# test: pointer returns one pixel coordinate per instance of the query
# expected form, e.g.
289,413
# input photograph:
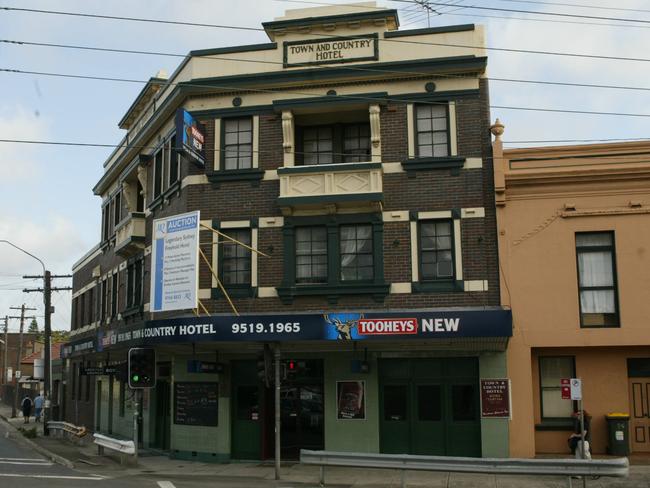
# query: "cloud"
18,162
54,240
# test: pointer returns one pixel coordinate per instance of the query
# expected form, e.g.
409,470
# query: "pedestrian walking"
38,407
26,406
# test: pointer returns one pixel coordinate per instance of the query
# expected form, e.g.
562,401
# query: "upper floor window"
311,255
166,167
337,143
237,143
432,131
436,250
356,253
236,259
158,172
597,279
134,284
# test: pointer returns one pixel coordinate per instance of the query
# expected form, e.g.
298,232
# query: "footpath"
84,457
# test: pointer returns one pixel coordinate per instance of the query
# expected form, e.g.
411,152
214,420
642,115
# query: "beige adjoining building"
574,229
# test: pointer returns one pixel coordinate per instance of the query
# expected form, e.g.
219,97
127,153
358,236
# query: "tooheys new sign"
318,327
190,137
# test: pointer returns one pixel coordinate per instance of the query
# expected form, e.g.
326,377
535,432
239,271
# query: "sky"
46,202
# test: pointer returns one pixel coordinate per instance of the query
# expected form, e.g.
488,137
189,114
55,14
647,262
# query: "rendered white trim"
235,224
194,180
389,168
442,214
473,163
217,144
469,213
267,292
395,216
205,293
410,130
255,163
453,150
254,256
415,270
400,287
476,285
83,290
459,250
267,222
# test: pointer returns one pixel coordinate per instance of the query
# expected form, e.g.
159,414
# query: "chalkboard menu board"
196,403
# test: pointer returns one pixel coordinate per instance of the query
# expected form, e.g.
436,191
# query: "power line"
405,41
355,68
595,7
449,12
577,140
348,97
553,14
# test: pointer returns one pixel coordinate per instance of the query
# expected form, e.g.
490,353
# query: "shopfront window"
395,402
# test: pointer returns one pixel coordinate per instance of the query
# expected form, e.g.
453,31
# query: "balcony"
129,235
339,185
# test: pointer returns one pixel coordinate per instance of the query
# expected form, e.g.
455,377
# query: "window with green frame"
333,255
551,371
235,259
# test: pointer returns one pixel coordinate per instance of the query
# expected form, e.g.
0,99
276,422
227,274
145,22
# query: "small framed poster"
351,400
495,398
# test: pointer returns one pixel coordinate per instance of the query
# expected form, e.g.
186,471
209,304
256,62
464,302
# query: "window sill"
555,425
254,175
333,292
411,166
131,311
437,286
235,292
165,196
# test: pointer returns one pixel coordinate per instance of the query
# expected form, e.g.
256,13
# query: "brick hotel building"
357,158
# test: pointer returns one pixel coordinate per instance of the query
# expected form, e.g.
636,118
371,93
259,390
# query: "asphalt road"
22,467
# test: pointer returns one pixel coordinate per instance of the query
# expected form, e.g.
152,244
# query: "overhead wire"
585,6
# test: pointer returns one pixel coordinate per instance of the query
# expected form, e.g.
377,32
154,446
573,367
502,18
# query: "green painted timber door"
430,407
246,431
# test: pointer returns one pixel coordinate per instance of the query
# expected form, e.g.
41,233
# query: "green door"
246,431
429,407
163,415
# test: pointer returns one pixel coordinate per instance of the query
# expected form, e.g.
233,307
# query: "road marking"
166,484
24,459
27,463
49,476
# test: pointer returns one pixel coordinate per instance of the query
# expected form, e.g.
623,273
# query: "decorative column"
375,133
497,130
288,135
142,178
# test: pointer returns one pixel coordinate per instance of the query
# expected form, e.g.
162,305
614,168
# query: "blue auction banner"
343,326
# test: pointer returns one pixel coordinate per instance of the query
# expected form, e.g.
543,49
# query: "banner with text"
174,263
341,326
190,137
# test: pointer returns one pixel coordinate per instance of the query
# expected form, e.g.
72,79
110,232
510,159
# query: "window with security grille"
432,132
235,258
436,250
237,143
311,255
356,252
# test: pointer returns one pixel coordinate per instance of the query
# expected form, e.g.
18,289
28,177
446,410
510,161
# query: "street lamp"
47,387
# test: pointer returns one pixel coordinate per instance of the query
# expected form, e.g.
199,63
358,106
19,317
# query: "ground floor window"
551,371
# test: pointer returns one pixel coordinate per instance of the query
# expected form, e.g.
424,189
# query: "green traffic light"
135,378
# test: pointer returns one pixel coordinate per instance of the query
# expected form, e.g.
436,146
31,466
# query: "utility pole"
19,356
6,352
47,301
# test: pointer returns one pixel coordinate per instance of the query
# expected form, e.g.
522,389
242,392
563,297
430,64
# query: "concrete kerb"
40,449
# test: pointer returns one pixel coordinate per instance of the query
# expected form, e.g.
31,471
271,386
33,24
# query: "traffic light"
142,367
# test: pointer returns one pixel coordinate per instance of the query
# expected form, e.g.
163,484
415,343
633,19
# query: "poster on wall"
190,137
495,398
351,400
174,262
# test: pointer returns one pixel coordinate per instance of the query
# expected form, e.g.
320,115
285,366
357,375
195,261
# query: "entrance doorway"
430,407
640,414
163,415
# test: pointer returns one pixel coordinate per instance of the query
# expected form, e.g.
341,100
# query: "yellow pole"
223,290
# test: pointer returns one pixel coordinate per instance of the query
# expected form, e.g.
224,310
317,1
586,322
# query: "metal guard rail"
67,427
125,447
617,467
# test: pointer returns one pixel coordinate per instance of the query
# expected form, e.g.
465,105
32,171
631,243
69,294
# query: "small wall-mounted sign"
495,398
331,50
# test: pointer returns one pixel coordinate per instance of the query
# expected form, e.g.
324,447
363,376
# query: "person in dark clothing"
574,439
26,407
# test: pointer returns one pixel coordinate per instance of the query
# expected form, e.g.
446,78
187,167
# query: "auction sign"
495,398
190,137
175,267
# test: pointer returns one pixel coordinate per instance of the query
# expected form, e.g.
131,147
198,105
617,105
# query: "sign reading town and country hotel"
338,326
174,258
331,50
